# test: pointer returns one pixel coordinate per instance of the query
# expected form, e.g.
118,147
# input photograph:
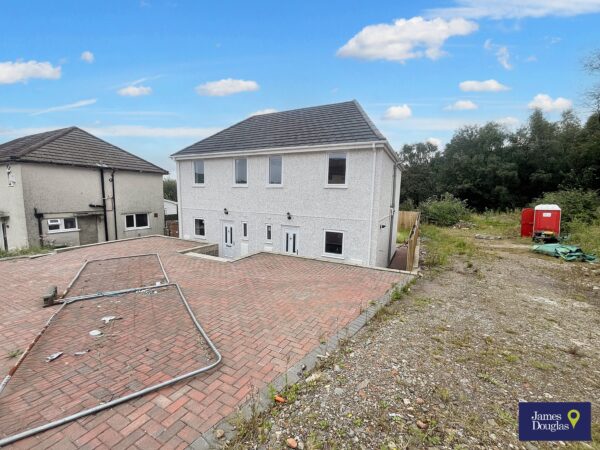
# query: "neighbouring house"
319,182
68,187
170,208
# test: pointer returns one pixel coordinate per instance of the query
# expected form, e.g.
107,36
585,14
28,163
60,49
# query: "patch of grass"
505,224
443,243
540,365
25,251
444,394
586,236
511,358
505,418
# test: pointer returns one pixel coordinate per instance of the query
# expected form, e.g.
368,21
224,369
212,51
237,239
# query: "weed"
443,394
509,357
14,353
487,378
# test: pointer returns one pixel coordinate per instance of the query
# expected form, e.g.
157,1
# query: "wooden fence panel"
410,219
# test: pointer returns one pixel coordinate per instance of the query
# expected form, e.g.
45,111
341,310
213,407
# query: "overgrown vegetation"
442,243
445,210
577,205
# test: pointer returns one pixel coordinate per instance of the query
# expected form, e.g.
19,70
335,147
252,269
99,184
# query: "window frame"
203,172
245,230
341,255
336,185
135,227
202,236
61,225
269,231
269,184
235,183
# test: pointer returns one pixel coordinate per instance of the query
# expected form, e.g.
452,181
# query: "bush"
577,205
444,211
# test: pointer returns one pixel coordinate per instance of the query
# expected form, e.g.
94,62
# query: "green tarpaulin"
566,252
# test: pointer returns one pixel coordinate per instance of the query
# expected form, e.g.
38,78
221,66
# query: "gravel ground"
445,365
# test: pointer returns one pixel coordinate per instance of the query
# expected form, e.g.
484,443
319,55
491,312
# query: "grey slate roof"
318,125
74,147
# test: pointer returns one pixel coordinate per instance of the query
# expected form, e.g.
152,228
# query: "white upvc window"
275,170
269,232
62,225
199,228
337,169
240,172
199,172
333,244
136,221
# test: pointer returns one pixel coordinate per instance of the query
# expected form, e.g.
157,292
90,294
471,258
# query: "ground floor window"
139,220
66,224
334,243
199,229
269,233
245,229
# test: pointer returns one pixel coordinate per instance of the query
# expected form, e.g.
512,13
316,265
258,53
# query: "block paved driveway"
264,313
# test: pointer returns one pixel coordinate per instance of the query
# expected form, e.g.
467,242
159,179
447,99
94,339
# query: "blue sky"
154,76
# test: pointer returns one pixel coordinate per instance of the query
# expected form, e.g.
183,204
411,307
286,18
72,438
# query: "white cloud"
121,131
87,56
226,86
435,141
503,56
547,104
482,86
154,132
517,9
405,39
263,111
21,71
79,104
509,122
135,91
461,105
502,53
531,58
400,112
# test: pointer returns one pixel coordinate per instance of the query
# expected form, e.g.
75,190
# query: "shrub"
577,205
445,211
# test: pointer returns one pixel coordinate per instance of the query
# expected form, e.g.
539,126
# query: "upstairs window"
334,243
275,166
241,171
336,169
199,229
139,220
199,171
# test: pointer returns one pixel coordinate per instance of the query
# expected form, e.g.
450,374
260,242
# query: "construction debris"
95,333
53,356
108,319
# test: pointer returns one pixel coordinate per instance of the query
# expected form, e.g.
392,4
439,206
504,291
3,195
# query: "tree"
592,66
170,189
418,181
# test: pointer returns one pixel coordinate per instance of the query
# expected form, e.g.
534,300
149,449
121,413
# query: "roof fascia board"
282,150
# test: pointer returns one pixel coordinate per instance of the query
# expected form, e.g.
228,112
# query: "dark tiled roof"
319,125
75,147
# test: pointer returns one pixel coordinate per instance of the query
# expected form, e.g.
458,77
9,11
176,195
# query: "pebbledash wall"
60,191
360,209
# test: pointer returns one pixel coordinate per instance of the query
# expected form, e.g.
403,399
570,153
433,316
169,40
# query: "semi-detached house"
68,187
319,182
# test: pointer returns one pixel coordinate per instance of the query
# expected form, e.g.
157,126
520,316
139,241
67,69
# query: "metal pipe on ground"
126,398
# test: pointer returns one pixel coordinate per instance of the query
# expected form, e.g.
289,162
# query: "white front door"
290,240
228,244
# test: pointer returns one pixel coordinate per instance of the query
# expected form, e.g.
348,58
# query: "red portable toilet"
527,222
546,218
